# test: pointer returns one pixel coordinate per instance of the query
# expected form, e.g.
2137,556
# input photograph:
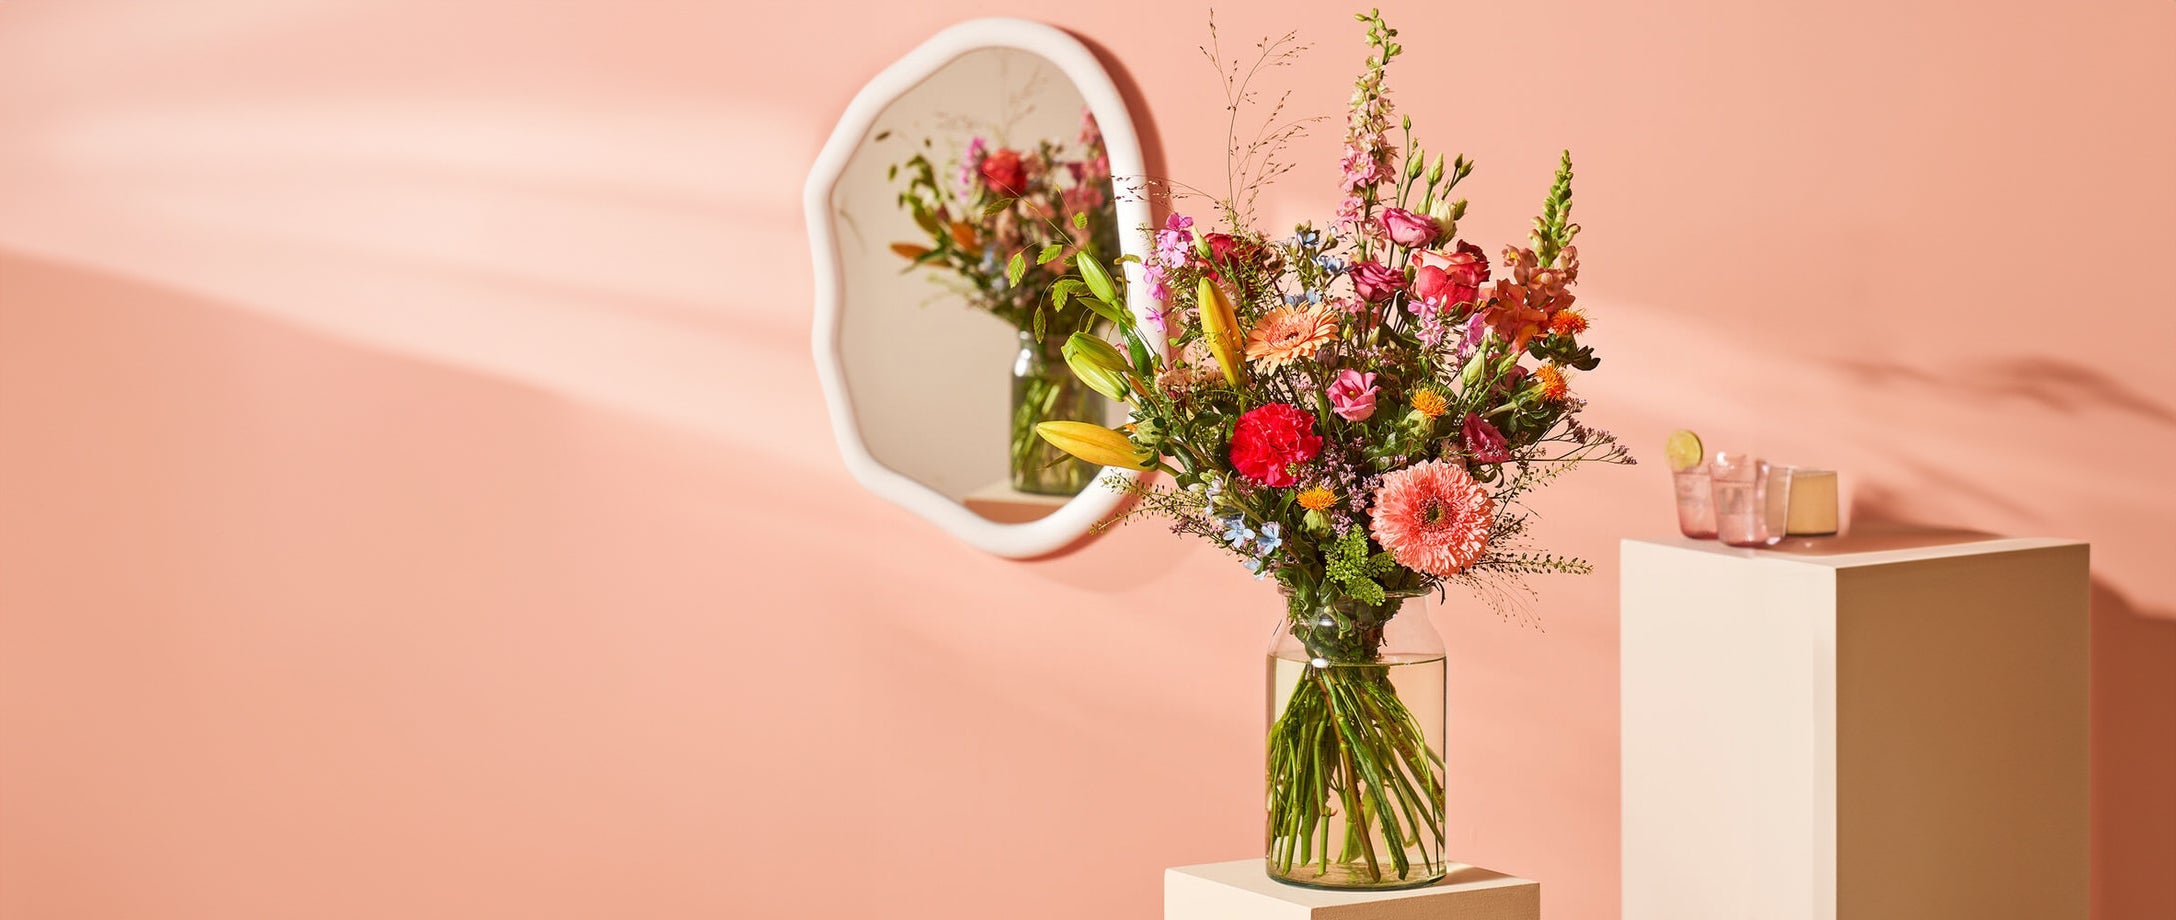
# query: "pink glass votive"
1695,503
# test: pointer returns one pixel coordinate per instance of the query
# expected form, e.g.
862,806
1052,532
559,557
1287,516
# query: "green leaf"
1015,268
1080,220
1049,252
1038,322
928,222
1136,348
1107,311
1098,280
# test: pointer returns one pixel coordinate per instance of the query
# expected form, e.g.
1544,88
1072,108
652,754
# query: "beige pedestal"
1864,729
1240,890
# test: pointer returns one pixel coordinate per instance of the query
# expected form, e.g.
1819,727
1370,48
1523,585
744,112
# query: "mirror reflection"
956,216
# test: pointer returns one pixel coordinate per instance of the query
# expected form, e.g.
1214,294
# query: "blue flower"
1259,568
1270,537
1236,531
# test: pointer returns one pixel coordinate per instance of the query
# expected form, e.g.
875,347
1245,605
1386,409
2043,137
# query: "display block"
1864,728
1240,890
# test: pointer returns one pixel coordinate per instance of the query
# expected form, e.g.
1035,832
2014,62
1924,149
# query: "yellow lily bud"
1220,326
1097,364
1095,444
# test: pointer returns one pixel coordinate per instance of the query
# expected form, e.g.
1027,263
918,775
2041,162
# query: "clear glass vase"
1355,766
1045,390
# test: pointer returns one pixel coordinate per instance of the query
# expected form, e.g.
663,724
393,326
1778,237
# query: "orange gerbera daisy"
1287,334
1433,517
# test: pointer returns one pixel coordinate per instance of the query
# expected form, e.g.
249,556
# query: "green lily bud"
1098,365
1414,166
1435,170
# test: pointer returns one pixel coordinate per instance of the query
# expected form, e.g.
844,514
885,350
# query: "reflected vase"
1045,390
1356,727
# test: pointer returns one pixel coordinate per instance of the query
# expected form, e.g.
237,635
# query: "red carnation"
1272,439
1004,173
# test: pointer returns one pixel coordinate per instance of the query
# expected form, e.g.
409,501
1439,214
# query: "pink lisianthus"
1482,441
1375,282
1408,229
1352,395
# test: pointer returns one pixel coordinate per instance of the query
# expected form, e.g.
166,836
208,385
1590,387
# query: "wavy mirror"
943,212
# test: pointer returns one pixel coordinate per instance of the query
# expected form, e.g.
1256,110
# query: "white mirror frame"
1072,520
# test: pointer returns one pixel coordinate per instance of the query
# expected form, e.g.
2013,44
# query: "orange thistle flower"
1430,404
1568,322
1554,387
1317,498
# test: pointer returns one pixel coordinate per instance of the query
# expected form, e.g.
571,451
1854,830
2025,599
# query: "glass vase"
1045,390
1355,766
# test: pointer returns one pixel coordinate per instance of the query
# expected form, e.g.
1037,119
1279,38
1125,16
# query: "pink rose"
1352,395
1483,442
1409,229
1431,285
1464,271
1375,283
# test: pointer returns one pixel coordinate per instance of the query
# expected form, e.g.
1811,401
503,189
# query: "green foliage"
1553,230
1347,565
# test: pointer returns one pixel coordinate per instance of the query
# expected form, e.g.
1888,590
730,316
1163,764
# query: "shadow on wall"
2133,726
2057,385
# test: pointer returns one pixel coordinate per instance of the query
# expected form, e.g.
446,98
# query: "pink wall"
417,500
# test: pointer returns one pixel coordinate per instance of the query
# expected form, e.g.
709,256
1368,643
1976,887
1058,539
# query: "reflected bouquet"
1355,410
1002,227
1002,224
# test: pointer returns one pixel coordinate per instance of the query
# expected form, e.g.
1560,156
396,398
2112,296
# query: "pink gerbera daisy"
1433,517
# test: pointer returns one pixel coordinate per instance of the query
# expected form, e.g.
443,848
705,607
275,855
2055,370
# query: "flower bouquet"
1000,229
1355,410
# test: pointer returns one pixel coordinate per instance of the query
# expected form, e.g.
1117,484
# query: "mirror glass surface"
992,155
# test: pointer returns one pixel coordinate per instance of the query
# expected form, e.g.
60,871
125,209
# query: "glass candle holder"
1752,499
1695,503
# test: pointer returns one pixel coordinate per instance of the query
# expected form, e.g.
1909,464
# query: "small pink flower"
1433,517
1407,228
1352,395
1374,282
1482,441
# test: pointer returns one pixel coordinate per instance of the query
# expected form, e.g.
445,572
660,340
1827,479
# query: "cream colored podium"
1240,890
1863,728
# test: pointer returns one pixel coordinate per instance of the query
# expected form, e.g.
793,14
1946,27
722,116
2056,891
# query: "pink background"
417,499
